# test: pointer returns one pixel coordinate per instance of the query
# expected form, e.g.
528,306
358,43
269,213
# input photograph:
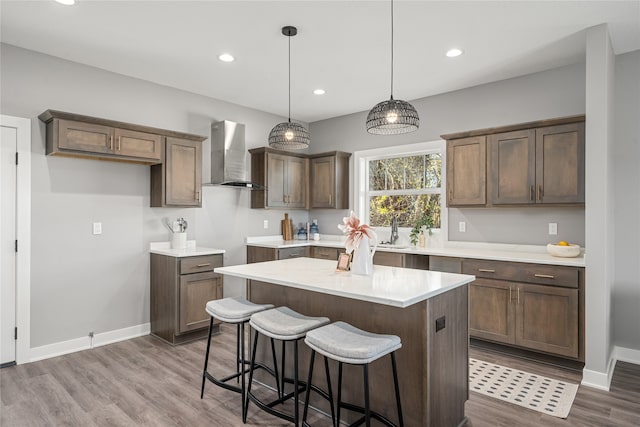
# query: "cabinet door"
295,252
87,137
560,164
276,180
195,291
389,259
138,144
512,163
547,319
467,171
296,182
259,254
323,182
491,313
183,172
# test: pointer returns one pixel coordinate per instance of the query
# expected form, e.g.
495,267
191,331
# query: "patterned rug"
531,391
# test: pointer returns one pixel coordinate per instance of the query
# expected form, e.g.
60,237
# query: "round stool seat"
234,310
345,343
282,323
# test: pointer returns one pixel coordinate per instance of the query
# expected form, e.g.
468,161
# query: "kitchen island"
428,310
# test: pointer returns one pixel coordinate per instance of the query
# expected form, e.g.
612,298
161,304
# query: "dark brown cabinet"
180,290
467,171
536,163
178,180
536,307
284,177
261,254
329,181
325,253
538,166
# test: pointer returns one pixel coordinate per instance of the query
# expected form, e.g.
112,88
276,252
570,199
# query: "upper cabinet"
329,181
284,176
176,157
178,180
299,181
467,171
537,163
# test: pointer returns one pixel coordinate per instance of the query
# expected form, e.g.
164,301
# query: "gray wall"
625,293
81,282
555,93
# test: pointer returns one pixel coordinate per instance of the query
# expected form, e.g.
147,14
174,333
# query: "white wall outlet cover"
553,229
266,224
97,228
462,227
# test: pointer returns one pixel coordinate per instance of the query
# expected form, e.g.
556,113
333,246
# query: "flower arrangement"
355,231
424,224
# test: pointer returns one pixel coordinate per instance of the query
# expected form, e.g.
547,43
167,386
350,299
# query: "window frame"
361,180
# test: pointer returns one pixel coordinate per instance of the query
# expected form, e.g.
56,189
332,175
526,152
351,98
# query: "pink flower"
354,232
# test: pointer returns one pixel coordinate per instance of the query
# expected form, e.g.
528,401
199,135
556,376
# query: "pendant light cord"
391,49
289,37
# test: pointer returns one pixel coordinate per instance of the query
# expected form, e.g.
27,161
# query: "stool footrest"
351,407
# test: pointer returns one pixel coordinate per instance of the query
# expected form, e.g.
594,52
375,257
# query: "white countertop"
164,248
399,287
489,251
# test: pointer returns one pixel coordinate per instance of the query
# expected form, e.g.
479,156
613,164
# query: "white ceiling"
341,46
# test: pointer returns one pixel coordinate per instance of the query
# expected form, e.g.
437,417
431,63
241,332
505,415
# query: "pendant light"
289,135
394,116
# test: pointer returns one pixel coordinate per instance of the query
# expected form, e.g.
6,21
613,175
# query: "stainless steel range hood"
228,156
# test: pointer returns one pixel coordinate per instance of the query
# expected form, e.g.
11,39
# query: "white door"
8,150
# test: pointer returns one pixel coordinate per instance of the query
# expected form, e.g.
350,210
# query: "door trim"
23,234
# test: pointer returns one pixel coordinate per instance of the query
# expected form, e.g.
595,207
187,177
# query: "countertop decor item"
393,116
289,135
564,251
424,224
358,236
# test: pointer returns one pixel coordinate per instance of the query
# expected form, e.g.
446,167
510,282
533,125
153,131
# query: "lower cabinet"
261,254
180,290
535,307
325,253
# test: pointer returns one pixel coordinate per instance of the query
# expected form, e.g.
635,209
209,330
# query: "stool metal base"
327,395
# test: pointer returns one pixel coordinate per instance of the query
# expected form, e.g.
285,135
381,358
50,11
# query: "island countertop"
398,287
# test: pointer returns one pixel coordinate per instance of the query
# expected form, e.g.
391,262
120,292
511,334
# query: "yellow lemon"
563,243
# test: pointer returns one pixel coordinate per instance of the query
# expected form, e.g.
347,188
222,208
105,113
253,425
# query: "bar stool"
236,311
285,325
345,343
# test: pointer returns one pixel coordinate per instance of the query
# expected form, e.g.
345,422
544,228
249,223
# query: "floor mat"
542,394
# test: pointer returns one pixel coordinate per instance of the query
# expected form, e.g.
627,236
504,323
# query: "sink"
390,246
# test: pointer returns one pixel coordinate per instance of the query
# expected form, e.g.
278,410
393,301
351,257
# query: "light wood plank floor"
144,381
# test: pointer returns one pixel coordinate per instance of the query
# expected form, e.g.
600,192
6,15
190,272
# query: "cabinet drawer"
297,252
325,253
198,264
389,259
553,275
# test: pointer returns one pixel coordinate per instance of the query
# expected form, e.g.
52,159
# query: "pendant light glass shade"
394,116
289,135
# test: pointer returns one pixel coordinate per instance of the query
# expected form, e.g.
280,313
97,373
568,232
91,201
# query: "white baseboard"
626,355
84,343
602,380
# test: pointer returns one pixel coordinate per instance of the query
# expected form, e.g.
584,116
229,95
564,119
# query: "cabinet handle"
509,293
531,193
484,270
450,194
518,296
545,276
539,192
197,196
111,142
329,198
119,138
206,264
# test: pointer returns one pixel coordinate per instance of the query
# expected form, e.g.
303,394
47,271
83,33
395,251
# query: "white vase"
362,261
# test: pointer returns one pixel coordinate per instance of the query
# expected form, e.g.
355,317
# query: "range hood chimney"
228,156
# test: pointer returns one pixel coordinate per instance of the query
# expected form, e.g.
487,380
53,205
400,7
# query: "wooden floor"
144,381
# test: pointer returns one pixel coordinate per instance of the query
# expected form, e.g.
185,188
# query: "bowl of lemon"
563,249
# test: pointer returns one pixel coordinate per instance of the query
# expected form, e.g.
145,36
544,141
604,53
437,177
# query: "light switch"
553,229
97,228
462,227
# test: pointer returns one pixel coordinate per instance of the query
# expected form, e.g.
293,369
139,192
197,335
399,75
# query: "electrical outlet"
97,228
553,229
265,224
462,227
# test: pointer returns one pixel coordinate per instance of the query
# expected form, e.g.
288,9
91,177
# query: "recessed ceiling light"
319,92
452,53
66,2
225,57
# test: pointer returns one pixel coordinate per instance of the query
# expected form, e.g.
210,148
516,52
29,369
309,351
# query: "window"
402,181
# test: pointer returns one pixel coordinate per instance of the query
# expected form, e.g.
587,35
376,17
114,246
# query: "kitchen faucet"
394,230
